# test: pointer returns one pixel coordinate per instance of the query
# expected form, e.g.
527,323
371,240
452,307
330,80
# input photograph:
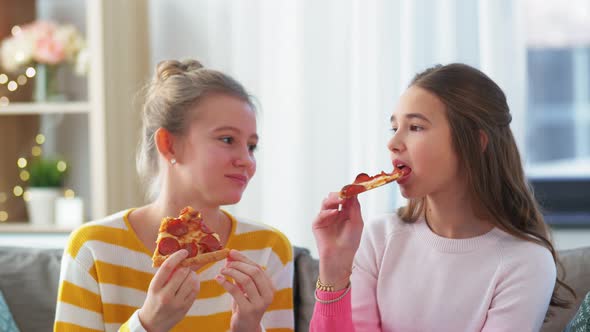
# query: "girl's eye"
416,128
252,147
393,130
227,139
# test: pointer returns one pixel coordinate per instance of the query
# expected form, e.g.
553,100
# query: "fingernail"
220,279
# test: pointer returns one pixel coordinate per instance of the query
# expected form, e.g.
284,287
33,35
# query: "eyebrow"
412,116
234,129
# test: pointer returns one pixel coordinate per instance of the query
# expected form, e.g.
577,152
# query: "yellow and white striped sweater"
106,271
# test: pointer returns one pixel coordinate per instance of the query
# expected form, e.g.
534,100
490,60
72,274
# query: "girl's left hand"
252,291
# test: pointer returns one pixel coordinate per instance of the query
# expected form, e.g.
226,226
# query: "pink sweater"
407,278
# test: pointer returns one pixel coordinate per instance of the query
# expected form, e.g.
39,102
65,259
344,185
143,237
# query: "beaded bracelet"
315,295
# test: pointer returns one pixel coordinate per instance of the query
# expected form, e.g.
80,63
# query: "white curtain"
327,75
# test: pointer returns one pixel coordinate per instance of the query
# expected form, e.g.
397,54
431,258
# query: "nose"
245,159
395,143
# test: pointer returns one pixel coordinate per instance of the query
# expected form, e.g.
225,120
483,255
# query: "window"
558,108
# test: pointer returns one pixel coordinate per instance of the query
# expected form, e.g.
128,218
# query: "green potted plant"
46,177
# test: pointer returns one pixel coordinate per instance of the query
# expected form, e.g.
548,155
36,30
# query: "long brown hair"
495,177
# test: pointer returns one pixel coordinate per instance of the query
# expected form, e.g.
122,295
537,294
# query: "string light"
15,30
36,151
3,197
30,72
62,166
69,193
26,196
12,86
24,175
21,162
22,80
40,139
17,191
3,216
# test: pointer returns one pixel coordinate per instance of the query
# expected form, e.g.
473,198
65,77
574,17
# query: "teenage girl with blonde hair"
197,149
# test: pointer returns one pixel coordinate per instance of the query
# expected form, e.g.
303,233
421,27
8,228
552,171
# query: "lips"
405,169
242,179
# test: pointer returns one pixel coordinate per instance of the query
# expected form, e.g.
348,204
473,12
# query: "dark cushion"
306,274
28,280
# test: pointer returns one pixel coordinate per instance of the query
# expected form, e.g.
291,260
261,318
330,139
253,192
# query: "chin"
231,199
408,194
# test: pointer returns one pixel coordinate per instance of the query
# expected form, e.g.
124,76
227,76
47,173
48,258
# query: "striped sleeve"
279,315
79,304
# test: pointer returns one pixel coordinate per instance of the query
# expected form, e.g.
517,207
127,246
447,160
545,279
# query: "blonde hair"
175,89
495,177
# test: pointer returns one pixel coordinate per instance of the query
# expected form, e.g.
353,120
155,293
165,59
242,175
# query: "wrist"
145,323
334,279
250,326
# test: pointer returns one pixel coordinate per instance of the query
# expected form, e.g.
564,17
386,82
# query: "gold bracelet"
327,287
315,295
323,287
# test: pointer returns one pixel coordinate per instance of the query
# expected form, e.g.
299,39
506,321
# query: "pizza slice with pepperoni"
364,182
189,232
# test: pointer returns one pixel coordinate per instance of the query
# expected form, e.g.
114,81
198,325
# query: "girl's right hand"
171,293
337,235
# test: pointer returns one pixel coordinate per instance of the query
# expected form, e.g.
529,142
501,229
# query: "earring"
173,161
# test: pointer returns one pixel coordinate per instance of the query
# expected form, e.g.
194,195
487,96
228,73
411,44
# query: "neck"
454,216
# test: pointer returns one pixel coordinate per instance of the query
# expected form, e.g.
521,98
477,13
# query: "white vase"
41,205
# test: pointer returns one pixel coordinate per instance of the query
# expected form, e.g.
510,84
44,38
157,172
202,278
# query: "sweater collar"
455,245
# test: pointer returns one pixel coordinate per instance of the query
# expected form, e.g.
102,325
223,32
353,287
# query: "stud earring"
173,161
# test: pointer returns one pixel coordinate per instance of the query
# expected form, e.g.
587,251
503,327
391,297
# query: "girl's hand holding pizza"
338,234
252,291
171,293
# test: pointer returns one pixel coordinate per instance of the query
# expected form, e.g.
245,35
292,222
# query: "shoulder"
105,229
114,221
526,256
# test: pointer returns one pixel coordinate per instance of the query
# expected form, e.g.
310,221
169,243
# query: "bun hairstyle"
174,90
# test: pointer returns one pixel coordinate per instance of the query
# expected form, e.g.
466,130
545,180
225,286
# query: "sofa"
29,279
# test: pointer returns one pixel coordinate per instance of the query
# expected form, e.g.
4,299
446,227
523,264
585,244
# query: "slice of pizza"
189,232
364,182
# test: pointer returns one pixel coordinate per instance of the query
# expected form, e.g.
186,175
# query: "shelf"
24,227
45,108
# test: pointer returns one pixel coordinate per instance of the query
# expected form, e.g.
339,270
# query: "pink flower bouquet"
43,42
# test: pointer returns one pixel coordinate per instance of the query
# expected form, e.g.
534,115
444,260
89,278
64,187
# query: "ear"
165,143
483,140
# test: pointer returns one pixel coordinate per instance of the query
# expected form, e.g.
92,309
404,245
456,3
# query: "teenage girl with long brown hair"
469,252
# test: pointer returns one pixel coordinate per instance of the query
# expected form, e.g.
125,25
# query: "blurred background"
326,75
